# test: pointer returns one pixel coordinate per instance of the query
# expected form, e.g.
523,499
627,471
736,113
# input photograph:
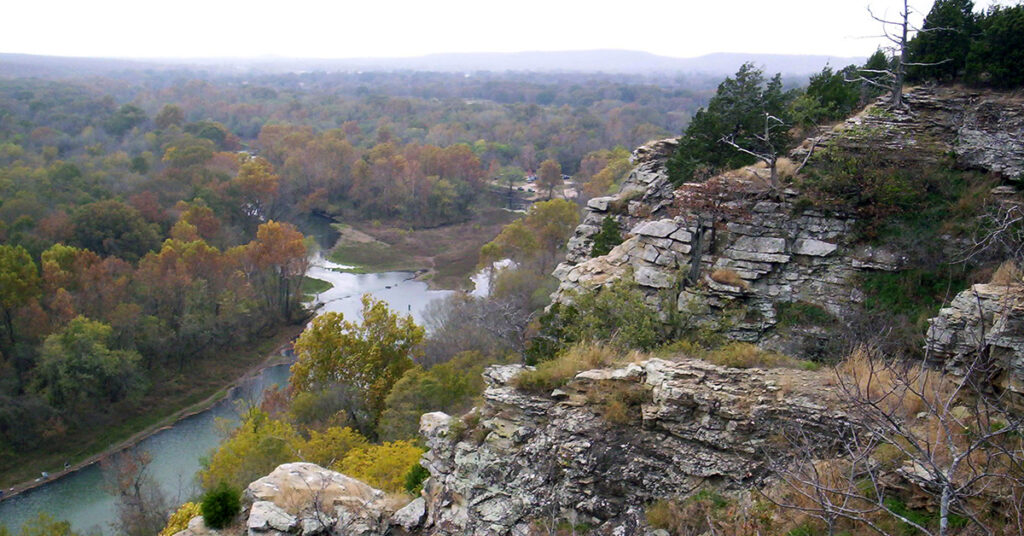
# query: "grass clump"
727,276
1008,274
220,505
552,374
746,355
735,355
312,286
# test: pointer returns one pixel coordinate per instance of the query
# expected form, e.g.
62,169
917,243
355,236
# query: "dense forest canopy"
142,215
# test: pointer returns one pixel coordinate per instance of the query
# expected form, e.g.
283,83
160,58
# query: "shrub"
220,505
619,402
414,479
803,314
179,519
607,238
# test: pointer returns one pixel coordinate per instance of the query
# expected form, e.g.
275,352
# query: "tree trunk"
901,60
696,253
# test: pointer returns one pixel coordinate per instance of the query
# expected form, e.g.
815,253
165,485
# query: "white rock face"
197,527
308,499
265,516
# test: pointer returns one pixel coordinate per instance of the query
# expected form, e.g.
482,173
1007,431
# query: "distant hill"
608,61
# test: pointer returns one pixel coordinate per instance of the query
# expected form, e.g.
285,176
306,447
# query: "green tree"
114,228
331,446
550,176
450,387
383,466
77,366
739,113
19,283
940,48
830,95
169,115
607,238
254,449
997,55
370,356
124,119
45,525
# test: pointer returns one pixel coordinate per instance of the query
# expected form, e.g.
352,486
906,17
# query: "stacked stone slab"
982,329
781,254
553,456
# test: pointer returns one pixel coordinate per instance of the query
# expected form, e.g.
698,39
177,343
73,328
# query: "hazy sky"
393,28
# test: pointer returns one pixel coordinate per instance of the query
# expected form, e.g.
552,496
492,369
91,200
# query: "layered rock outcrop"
768,248
982,332
600,449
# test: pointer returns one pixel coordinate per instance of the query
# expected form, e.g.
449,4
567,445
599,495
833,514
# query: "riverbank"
443,257
172,400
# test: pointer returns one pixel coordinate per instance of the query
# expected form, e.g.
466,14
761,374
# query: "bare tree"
898,33
1000,234
767,145
141,505
949,438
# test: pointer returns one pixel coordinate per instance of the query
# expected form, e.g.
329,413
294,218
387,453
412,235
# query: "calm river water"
176,451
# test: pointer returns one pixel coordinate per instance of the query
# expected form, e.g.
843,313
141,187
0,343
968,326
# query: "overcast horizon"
315,29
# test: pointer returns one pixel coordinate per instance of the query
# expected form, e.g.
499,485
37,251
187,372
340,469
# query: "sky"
403,28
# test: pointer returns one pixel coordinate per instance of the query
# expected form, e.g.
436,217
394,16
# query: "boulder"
306,498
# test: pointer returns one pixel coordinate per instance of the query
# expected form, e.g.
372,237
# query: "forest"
150,230
147,218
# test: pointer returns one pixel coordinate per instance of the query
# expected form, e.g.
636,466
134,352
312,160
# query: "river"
176,451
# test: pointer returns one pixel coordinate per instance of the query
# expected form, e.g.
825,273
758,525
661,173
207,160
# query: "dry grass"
557,372
735,355
1008,274
746,355
903,390
728,276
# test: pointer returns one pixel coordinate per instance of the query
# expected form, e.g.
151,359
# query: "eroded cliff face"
982,331
768,248
523,460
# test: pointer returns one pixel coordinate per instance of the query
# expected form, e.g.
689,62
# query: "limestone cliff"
982,329
524,459
600,449
768,248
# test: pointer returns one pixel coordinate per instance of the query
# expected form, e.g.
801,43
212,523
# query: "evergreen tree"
737,112
607,238
939,51
997,55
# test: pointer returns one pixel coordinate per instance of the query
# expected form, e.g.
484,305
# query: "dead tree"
765,147
951,438
141,505
897,33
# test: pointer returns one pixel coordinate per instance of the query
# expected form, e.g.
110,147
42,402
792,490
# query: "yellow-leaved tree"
369,357
383,466
254,449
